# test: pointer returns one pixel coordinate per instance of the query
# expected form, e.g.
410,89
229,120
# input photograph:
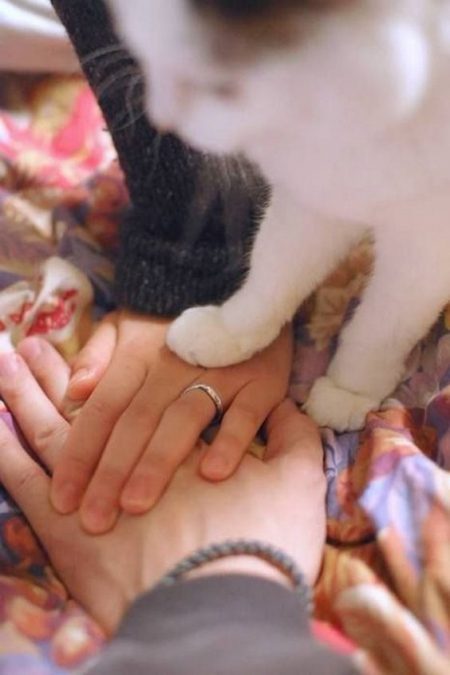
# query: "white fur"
352,127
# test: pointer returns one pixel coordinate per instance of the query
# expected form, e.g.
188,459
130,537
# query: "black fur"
186,238
243,9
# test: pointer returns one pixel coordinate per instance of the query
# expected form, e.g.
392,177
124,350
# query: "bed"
384,591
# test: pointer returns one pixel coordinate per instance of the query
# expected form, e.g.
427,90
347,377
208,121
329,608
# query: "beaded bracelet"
270,554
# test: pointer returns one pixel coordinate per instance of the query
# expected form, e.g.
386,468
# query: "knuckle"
28,479
247,413
77,467
71,409
111,477
140,414
101,410
12,391
47,435
159,464
186,405
190,408
232,443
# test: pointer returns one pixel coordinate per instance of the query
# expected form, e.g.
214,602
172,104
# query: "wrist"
240,564
242,556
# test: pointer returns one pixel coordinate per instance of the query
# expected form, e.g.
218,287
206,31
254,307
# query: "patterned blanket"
384,590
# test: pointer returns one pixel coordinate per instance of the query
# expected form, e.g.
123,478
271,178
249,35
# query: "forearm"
233,624
191,221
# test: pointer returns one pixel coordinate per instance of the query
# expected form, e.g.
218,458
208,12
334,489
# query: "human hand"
279,501
136,428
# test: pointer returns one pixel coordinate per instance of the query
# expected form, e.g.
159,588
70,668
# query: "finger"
293,435
176,436
174,439
47,366
25,481
42,425
128,441
93,360
239,427
91,430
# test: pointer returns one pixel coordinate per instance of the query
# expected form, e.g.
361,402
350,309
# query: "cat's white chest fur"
366,112
352,127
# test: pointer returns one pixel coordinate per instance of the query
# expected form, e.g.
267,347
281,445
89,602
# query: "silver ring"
214,397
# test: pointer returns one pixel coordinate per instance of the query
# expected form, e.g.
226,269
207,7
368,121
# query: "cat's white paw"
200,337
340,409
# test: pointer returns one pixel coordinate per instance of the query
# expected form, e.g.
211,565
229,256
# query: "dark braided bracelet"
234,547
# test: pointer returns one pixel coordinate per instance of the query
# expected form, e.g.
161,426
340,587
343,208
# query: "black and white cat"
345,106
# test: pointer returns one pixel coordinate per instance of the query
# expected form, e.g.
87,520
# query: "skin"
136,428
288,487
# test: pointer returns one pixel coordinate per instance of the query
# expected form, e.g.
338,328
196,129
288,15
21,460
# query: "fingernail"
98,515
9,365
138,496
215,466
78,379
79,376
65,498
31,348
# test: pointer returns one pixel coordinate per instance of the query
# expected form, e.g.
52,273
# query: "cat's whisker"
130,97
113,79
134,103
131,122
115,50
135,111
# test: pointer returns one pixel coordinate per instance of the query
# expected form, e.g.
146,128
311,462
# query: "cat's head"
223,72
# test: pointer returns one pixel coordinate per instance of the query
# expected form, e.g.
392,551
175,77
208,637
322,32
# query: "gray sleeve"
218,625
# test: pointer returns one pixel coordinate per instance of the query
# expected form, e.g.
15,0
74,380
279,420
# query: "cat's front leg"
293,252
410,285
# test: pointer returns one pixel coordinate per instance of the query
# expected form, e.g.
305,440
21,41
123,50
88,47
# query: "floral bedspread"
384,591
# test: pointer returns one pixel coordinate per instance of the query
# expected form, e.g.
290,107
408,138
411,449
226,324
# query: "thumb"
293,435
90,364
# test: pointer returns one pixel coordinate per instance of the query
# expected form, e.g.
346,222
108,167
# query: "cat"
345,107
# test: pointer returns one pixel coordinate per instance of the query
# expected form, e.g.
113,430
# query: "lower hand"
136,428
279,500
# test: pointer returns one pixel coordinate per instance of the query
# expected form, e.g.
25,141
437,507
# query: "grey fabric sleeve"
218,625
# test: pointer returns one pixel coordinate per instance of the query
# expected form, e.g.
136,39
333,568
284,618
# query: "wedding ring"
213,396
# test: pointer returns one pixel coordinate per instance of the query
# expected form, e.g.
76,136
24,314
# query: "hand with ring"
145,411
113,570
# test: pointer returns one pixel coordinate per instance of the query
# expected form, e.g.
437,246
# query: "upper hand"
279,500
136,428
